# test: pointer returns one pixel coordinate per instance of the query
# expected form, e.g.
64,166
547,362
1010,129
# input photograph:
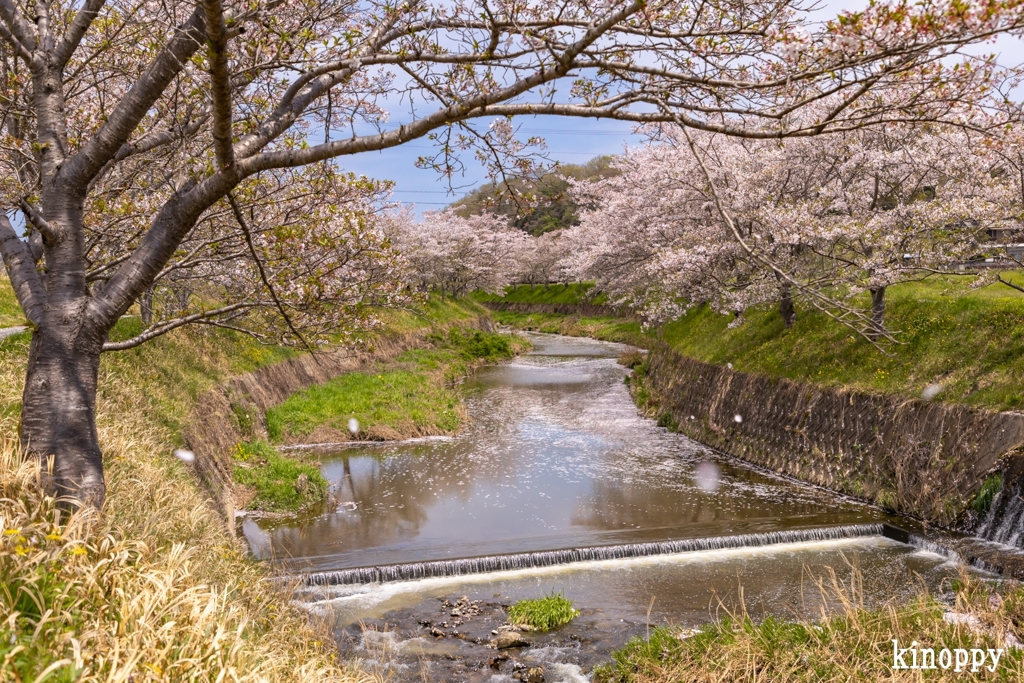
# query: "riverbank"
853,643
966,344
410,396
156,588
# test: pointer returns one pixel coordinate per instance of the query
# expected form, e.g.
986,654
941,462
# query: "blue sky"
568,140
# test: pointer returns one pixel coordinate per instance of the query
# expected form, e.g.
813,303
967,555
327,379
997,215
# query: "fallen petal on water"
707,476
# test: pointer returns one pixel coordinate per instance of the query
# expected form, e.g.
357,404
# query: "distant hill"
553,210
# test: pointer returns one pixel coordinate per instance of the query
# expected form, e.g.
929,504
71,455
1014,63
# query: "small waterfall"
494,563
1005,520
922,543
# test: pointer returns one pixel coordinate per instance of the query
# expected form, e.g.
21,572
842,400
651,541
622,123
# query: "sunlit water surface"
556,456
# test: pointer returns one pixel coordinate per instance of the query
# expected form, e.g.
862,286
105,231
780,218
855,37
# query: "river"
556,456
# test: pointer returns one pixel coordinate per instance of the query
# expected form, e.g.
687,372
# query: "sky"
569,140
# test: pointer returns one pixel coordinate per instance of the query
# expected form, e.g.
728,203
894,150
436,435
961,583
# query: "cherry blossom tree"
703,217
134,131
456,255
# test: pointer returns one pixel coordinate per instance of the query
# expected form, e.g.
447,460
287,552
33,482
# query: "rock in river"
509,639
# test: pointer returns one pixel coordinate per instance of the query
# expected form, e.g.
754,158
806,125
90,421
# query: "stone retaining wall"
922,458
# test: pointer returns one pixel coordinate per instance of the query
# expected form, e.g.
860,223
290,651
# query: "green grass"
160,573
414,395
280,484
10,311
989,490
572,293
968,341
543,614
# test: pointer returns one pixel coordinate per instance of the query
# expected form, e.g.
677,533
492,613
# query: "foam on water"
367,595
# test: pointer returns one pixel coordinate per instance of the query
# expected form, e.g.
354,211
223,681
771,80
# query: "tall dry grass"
848,641
152,589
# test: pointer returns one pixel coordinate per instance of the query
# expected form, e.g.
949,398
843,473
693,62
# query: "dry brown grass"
155,588
848,642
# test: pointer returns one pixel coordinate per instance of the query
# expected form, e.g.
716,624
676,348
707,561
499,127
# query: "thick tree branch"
21,29
21,269
132,108
221,82
76,31
19,49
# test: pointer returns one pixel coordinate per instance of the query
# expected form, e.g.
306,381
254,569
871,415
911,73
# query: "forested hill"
554,209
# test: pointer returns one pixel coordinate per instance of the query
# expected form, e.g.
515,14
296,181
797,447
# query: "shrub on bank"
543,614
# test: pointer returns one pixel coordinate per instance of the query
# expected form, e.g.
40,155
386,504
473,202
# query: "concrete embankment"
922,458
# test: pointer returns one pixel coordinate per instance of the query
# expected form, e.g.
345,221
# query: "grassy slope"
157,587
970,341
414,395
554,294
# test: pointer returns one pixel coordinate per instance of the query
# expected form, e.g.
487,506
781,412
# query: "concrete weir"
495,563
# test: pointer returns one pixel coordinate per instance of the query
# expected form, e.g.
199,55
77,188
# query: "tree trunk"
58,413
877,328
786,307
146,306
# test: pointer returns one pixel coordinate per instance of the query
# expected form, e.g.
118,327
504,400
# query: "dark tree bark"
877,313
146,306
58,417
786,307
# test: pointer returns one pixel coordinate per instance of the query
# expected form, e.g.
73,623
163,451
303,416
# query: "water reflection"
556,456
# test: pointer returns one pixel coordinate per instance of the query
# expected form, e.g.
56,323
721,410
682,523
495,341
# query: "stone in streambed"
534,675
508,639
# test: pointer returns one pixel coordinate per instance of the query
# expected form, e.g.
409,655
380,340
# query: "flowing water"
556,457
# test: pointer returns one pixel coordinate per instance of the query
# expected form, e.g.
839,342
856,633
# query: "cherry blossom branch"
132,108
861,324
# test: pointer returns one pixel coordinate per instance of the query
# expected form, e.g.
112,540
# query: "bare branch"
166,327
51,234
263,274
